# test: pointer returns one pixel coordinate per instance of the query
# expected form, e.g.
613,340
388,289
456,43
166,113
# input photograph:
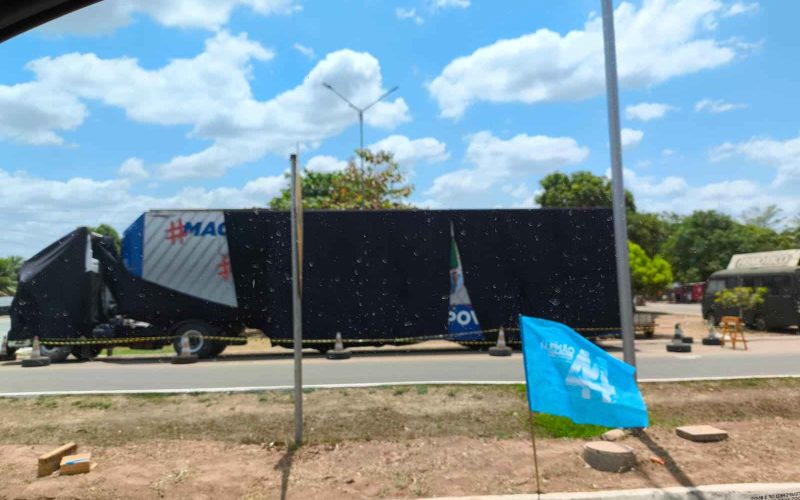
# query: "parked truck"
375,277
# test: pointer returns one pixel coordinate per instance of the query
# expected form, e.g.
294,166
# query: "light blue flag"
569,376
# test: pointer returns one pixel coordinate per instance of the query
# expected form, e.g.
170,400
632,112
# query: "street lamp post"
618,203
360,112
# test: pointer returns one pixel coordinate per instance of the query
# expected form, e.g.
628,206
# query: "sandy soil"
760,451
396,442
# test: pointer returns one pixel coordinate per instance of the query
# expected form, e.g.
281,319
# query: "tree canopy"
9,267
106,230
704,242
649,276
381,185
578,190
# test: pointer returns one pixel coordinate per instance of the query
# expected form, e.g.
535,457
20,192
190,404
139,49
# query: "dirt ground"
392,442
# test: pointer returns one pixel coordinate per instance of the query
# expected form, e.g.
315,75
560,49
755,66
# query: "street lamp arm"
345,99
379,99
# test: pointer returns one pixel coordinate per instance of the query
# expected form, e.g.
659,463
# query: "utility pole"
296,216
618,204
360,112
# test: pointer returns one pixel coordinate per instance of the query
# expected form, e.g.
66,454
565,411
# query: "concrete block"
609,457
712,341
701,433
613,435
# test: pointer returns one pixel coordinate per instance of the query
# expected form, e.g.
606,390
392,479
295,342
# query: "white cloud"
133,169
739,8
324,163
40,210
647,111
34,113
661,40
211,93
782,155
718,106
496,160
675,194
631,137
408,152
107,16
306,51
649,187
446,4
668,152
407,13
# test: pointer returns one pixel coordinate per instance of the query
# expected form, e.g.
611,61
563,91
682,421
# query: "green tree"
9,267
650,231
704,242
742,298
649,276
382,185
768,217
578,190
106,230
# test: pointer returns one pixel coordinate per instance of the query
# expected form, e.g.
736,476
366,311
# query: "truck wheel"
217,348
86,352
57,354
713,319
196,332
760,323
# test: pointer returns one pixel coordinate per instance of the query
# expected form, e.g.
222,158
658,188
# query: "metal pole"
361,157
297,324
618,204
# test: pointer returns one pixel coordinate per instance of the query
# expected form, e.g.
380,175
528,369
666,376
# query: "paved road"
237,372
671,308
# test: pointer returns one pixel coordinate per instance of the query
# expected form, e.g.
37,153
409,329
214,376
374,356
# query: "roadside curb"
744,491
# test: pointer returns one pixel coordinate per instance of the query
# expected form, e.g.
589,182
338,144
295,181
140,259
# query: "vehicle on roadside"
375,277
689,292
777,271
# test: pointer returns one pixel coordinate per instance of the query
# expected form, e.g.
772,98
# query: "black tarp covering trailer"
373,276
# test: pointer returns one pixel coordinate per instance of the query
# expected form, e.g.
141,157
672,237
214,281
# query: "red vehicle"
689,292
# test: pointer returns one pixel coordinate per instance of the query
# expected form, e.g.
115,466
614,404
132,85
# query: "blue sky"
131,105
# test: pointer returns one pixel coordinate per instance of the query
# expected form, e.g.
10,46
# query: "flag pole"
535,455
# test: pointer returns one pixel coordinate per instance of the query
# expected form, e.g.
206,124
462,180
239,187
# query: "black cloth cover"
56,296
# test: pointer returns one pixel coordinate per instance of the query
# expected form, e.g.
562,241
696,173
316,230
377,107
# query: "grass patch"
92,404
400,390
46,402
422,390
562,427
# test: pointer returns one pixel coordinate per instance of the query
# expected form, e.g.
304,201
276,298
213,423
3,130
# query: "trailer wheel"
196,332
56,353
760,323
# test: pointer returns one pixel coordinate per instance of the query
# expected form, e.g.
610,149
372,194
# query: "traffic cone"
36,359
338,351
185,356
679,342
500,349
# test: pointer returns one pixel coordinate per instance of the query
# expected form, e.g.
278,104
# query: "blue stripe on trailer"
133,246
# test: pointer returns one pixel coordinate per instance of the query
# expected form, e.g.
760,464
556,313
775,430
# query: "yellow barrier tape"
244,340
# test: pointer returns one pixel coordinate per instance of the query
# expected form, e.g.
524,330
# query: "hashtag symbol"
176,232
224,267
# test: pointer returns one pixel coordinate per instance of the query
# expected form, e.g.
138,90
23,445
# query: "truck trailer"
375,277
